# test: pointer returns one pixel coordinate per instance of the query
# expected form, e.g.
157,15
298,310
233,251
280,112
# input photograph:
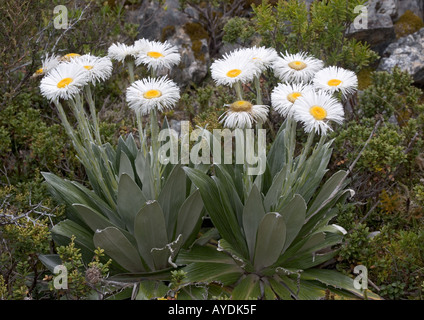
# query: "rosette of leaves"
275,232
153,217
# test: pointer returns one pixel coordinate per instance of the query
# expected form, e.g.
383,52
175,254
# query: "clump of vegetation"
408,23
320,31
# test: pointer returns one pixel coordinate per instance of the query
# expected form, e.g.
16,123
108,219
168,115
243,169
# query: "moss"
196,32
408,23
167,32
364,78
197,50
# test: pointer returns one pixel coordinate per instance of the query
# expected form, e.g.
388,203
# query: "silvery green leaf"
91,217
247,288
150,231
253,213
189,216
125,166
270,240
119,248
144,172
328,191
294,214
172,196
130,200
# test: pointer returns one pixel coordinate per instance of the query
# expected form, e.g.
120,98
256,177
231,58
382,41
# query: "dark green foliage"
289,26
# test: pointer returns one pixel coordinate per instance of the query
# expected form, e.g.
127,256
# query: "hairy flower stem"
130,65
239,92
94,118
154,131
87,154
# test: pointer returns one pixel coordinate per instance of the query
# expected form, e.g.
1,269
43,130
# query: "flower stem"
91,104
237,87
130,65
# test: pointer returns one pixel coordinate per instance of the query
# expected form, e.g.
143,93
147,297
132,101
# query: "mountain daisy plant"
270,232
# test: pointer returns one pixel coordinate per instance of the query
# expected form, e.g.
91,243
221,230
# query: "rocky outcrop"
382,16
169,23
380,31
407,54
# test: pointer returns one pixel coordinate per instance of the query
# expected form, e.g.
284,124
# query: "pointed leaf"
144,172
130,200
172,197
253,213
337,280
270,240
248,288
119,248
125,166
294,214
189,216
328,190
92,218
150,231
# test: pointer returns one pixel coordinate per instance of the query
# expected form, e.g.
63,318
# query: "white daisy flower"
153,93
233,67
63,82
262,57
242,114
97,68
334,79
120,51
297,67
315,109
284,96
156,55
49,63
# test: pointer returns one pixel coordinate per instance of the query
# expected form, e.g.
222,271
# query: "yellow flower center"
154,54
64,82
293,96
69,56
88,67
334,82
319,113
39,71
297,65
241,106
233,73
152,94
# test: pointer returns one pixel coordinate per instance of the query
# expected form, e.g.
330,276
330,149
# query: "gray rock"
407,54
168,24
416,6
380,31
